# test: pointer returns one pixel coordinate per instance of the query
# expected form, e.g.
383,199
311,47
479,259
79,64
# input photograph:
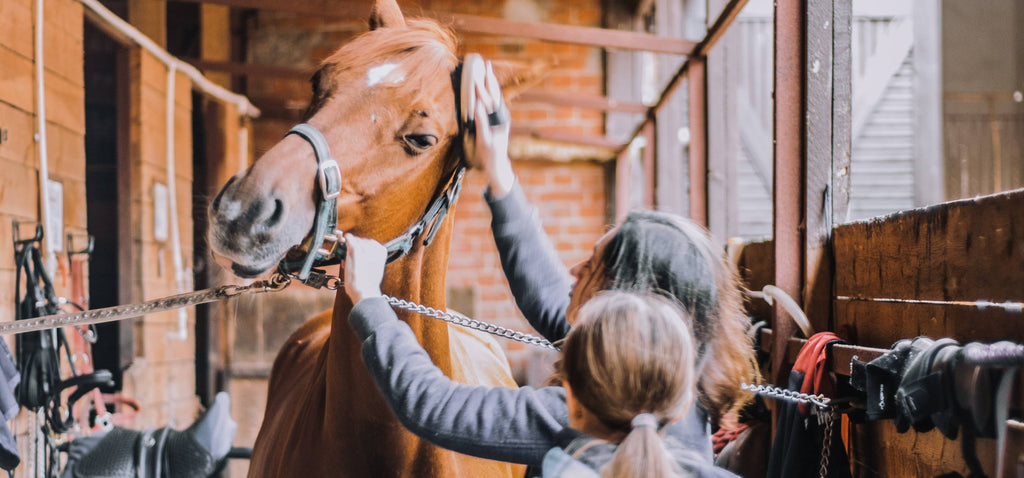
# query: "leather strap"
328,178
325,222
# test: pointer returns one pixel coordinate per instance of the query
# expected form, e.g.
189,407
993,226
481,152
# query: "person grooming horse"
648,252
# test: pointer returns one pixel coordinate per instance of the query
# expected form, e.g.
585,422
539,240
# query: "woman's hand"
491,142
364,267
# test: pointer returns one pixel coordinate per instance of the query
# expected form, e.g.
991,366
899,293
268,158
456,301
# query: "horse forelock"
420,52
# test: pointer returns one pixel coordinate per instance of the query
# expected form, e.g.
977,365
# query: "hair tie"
645,420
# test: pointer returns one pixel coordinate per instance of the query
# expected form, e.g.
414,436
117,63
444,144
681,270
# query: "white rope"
199,81
1008,306
172,199
44,162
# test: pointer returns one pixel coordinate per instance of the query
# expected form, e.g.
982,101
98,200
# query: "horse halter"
325,245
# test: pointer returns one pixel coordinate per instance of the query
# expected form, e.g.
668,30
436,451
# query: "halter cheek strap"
328,177
325,223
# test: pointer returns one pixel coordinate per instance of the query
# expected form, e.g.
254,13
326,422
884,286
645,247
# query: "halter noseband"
324,245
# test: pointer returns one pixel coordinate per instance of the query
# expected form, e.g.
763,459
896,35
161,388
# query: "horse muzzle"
250,230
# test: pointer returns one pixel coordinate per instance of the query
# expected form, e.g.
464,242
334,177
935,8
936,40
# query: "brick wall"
571,201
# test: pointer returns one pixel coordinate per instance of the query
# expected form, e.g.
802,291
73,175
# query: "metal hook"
771,292
87,250
16,232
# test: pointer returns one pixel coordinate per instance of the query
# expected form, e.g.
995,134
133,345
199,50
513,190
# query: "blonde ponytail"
629,360
642,454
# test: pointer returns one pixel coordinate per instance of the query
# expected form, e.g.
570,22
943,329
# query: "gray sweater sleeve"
538,279
498,423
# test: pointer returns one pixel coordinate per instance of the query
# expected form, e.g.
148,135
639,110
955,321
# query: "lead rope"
110,314
824,410
321,280
461,320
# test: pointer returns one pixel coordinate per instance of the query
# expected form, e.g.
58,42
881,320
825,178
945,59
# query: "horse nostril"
215,205
275,217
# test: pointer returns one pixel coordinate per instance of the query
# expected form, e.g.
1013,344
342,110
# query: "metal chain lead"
823,408
826,441
110,314
462,320
318,279
777,393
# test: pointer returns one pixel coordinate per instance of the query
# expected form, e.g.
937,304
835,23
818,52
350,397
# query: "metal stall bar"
698,54
811,156
788,178
698,102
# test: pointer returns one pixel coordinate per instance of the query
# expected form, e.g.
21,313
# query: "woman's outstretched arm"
538,279
516,425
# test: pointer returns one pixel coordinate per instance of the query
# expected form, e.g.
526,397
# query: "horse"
385,104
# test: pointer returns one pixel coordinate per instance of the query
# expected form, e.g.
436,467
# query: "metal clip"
328,192
317,279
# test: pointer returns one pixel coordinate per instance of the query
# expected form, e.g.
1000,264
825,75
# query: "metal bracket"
3,135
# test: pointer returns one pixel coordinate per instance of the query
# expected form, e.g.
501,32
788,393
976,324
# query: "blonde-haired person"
630,359
628,367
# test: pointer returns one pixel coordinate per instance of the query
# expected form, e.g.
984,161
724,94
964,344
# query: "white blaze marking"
378,73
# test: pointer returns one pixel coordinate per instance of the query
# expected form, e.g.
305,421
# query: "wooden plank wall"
19,154
961,251
162,378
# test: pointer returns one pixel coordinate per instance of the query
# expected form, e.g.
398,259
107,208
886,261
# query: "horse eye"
420,142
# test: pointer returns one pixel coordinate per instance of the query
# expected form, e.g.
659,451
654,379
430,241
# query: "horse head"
386,105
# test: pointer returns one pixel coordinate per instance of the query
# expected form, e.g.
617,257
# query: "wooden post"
650,165
697,82
215,39
150,17
672,167
623,179
929,160
787,179
812,156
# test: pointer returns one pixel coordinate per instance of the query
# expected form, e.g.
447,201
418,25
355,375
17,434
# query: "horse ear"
516,77
386,14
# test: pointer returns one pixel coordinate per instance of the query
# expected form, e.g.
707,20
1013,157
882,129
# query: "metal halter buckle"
329,166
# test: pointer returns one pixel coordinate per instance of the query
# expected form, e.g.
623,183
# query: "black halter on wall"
324,244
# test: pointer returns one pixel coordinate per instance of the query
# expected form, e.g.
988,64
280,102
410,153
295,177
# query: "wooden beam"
827,146
623,182
842,354
650,165
965,250
590,36
215,39
697,82
550,32
150,17
281,109
321,8
593,102
724,20
929,172
581,101
250,69
598,141
722,23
